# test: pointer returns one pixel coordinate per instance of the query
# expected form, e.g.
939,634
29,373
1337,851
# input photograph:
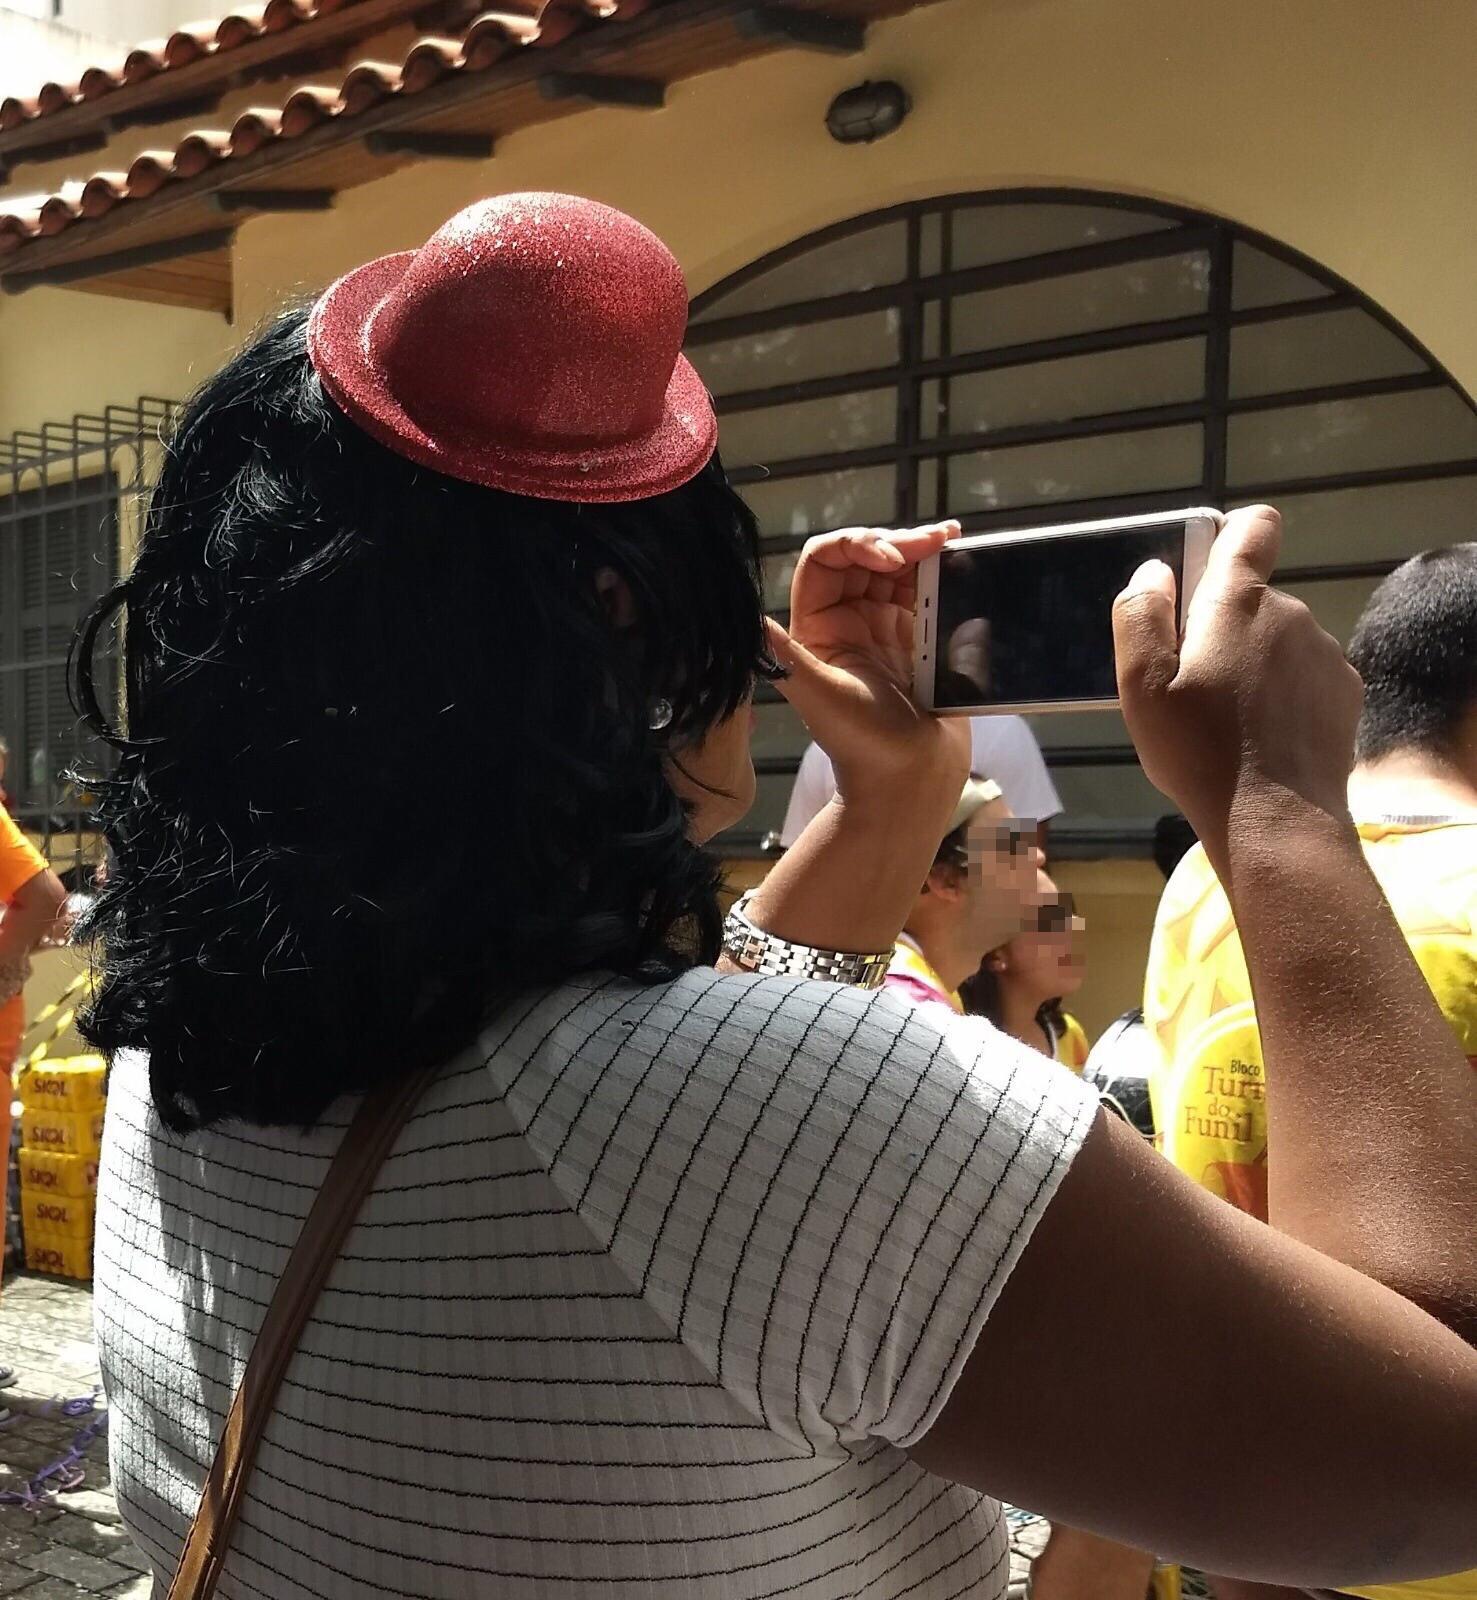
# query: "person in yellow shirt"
978,893
1413,796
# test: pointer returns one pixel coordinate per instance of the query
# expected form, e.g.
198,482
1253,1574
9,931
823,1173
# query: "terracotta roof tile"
428,61
489,38
149,173
199,150
306,107
495,35
102,191
369,82
182,48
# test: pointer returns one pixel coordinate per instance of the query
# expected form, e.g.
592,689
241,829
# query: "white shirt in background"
1004,748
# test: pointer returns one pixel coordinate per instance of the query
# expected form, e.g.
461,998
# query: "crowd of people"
763,1253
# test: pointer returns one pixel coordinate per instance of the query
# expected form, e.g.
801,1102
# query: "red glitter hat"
531,344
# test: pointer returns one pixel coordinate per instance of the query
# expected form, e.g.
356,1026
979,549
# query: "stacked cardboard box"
61,1136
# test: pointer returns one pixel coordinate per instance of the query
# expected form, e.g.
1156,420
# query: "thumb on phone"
1146,649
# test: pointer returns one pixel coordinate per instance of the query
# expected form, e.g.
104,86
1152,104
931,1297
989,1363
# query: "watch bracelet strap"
756,951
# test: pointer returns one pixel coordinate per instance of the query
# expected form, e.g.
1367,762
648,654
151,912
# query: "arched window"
1041,356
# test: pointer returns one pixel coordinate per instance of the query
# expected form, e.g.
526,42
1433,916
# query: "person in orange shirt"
32,899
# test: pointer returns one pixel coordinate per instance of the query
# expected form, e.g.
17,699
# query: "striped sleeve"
821,1191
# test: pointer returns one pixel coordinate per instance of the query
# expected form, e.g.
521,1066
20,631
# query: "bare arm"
1371,1105
36,909
1362,1449
1370,1099
1109,1389
853,875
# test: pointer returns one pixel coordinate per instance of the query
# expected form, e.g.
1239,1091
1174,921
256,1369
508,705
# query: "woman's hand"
850,657
1257,708
852,877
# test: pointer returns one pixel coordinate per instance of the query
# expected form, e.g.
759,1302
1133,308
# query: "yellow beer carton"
57,1213
75,1083
50,1172
64,1254
78,1133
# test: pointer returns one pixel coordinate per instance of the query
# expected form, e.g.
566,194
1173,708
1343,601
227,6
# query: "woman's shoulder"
702,1004
588,1036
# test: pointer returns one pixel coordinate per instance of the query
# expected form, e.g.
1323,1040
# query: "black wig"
383,756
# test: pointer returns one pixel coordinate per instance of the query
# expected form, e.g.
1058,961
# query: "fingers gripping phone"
1022,621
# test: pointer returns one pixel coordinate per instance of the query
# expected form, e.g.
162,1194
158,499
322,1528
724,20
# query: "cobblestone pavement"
74,1545
70,1544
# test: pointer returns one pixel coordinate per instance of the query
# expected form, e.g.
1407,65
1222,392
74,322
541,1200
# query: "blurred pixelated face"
1049,960
1000,873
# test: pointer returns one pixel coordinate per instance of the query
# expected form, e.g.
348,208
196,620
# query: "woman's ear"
615,596
943,882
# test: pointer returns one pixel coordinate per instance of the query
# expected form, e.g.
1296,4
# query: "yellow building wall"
1344,128
1341,127
52,972
1118,900
62,352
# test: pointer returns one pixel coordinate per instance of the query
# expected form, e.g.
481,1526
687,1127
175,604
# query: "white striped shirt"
650,1298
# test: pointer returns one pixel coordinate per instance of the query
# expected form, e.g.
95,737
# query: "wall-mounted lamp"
867,112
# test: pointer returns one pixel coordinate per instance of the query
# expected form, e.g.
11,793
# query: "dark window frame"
68,490
1189,231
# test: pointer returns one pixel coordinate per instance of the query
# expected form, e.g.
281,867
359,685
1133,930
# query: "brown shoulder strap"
365,1146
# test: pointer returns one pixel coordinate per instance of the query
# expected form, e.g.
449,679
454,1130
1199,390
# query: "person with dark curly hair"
697,1264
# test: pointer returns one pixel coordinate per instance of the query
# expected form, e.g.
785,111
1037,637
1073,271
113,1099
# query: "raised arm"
1373,1104
852,876
1362,1425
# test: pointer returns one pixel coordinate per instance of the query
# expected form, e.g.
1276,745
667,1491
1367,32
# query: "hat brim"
671,454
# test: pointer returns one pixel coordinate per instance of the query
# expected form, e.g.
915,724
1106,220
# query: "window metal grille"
1051,355
71,497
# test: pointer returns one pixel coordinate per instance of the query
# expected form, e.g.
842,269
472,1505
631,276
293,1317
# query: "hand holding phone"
1021,621
1255,705
848,655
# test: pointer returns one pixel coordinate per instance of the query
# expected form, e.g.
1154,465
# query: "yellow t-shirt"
1072,1045
1207,1085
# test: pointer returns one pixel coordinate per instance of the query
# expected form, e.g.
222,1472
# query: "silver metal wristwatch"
754,950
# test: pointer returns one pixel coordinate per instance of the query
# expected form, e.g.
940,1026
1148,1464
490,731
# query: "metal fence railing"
71,501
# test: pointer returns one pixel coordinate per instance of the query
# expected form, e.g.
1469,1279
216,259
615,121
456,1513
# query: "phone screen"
1031,621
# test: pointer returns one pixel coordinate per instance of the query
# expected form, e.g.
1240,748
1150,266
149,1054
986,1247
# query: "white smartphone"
1022,621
